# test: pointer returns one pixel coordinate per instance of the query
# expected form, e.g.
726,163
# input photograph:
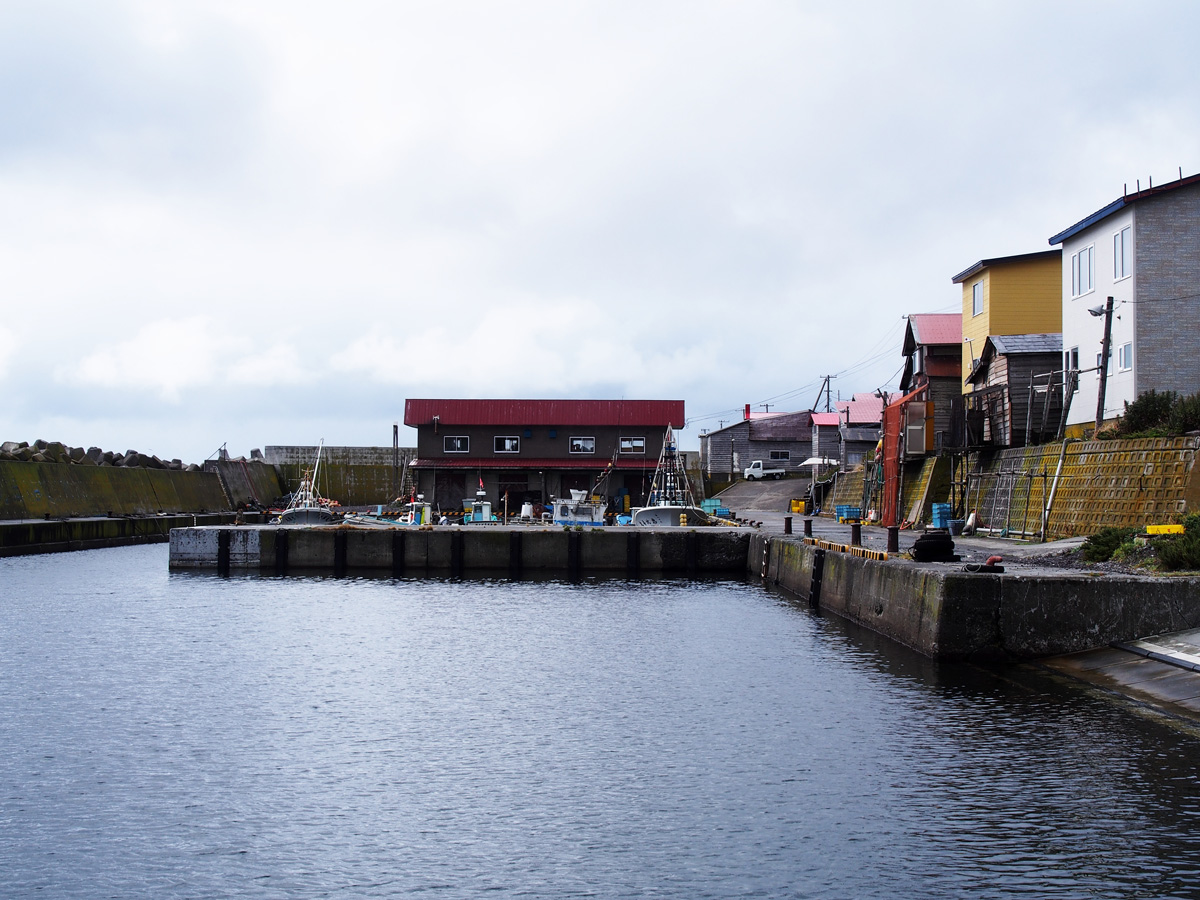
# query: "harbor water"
184,735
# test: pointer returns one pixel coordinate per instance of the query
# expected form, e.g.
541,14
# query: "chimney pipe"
746,415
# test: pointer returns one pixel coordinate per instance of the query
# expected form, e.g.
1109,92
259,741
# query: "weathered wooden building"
1017,395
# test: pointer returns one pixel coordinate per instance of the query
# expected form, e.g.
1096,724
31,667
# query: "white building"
1143,250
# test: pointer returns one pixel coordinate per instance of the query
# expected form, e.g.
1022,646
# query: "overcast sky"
269,223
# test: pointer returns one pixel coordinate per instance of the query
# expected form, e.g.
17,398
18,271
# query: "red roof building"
534,450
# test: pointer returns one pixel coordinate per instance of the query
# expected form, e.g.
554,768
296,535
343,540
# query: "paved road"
768,502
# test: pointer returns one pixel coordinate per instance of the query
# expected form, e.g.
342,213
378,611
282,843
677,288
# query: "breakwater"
947,613
513,551
21,538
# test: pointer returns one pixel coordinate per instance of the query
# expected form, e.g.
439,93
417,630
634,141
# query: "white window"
582,445
507,443
633,445
1123,252
977,299
1125,357
1109,362
1083,271
456,443
1071,359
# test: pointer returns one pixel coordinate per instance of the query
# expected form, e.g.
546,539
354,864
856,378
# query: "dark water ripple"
187,736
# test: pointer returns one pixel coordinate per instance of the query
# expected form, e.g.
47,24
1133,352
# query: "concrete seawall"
512,550
946,613
60,535
34,490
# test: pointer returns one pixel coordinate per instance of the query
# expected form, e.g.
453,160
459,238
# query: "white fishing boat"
671,502
416,512
307,506
578,510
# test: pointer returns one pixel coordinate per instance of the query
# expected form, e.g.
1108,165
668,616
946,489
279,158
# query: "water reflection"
197,736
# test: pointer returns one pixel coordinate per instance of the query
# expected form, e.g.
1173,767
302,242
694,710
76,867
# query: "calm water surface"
188,736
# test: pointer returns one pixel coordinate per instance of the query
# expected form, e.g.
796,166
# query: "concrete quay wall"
945,613
513,550
21,538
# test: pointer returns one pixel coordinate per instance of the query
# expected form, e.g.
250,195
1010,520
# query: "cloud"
170,357
214,205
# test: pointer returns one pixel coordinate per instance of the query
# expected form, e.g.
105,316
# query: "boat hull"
668,516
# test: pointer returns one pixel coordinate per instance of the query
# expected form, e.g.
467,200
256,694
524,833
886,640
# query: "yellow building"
1009,295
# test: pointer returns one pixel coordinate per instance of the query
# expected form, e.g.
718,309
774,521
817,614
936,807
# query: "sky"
262,223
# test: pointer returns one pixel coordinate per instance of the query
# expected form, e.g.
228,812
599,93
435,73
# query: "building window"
1083,271
633,445
507,443
1109,363
1071,359
1123,253
582,445
456,443
1125,357
781,455
977,299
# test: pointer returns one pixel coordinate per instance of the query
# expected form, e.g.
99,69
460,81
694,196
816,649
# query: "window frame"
496,439
781,456
1123,253
1110,362
977,299
1078,289
1125,357
1071,359
466,443
581,438
640,442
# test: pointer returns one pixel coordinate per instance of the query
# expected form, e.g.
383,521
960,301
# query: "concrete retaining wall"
32,490
946,613
514,551
247,482
56,536
353,476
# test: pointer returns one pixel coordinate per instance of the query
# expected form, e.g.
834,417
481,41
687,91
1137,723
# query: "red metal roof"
565,413
826,418
481,462
865,409
935,328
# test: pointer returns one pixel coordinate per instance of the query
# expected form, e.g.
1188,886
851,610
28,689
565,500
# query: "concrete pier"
22,537
459,549
948,613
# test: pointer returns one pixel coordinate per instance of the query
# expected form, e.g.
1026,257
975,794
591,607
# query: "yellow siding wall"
974,327
1020,297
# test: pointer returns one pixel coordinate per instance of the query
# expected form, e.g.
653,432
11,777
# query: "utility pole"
1104,351
395,460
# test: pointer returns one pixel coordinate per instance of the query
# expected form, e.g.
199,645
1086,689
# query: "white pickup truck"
756,472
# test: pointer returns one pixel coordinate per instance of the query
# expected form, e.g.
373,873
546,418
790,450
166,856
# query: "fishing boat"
307,507
671,502
416,512
578,510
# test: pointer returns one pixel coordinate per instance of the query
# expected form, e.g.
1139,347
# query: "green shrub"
1179,551
1151,410
1101,546
1191,522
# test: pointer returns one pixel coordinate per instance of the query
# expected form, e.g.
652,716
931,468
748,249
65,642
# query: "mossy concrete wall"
1121,483
946,613
31,490
248,482
353,476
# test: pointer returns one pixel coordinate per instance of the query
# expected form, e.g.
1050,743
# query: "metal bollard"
787,524
856,534
893,543
808,527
